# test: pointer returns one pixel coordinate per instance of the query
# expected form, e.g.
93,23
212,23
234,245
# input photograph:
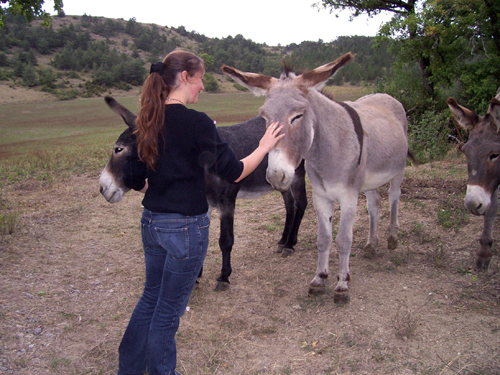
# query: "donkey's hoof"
222,286
368,251
392,243
483,263
286,252
315,290
341,298
279,249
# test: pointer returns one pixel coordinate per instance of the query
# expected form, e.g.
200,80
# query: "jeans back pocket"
174,241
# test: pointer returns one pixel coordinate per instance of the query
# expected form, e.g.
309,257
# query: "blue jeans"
175,247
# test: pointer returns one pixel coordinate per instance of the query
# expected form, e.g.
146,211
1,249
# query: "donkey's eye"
296,118
494,157
118,150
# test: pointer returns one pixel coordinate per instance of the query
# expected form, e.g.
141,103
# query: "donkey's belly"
257,192
375,180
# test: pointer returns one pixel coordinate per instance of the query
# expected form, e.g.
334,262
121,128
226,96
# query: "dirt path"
72,272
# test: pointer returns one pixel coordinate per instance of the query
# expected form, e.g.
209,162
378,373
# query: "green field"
45,140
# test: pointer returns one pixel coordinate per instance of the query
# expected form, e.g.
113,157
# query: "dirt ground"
72,272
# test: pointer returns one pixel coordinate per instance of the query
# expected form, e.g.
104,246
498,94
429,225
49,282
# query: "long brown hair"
161,80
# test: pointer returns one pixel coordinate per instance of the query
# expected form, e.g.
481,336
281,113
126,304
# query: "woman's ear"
183,77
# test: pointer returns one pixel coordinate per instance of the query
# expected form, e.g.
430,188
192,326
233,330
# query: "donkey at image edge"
243,139
349,147
482,151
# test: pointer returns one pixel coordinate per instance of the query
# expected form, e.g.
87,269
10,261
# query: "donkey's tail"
412,159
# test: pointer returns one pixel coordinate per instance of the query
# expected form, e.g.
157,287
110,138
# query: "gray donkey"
349,148
482,151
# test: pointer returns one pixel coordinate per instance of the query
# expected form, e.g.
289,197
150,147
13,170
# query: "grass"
348,92
438,255
9,219
47,140
453,215
8,223
405,324
228,109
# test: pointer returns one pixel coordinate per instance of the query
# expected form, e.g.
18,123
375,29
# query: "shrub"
5,75
238,87
67,94
92,89
428,135
210,83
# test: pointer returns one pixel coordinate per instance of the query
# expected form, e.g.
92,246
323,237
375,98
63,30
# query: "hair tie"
156,68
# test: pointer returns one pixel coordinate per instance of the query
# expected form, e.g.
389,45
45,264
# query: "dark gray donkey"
349,148
243,139
482,151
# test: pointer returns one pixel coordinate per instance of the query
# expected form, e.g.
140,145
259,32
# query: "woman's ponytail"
151,117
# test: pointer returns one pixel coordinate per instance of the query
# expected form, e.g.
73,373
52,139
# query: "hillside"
85,56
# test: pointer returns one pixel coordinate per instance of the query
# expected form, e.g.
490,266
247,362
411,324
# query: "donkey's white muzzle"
477,200
109,189
279,173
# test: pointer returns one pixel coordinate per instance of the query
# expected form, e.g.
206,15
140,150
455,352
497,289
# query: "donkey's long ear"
126,115
465,117
494,111
259,84
317,78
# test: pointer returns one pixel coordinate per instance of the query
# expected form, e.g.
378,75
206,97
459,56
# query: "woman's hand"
271,136
266,144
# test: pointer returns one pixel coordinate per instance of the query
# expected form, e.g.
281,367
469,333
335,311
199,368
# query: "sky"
263,21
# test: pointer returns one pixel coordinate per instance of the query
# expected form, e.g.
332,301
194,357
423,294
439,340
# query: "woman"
174,144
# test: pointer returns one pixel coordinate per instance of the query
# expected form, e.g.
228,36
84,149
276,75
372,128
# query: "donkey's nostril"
102,189
479,207
283,176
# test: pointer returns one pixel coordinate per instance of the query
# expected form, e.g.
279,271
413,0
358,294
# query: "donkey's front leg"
226,242
348,205
484,254
324,211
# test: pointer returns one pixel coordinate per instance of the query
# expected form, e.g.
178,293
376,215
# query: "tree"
208,60
4,59
46,78
30,9
29,76
460,43
370,7
402,10
19,68
450,40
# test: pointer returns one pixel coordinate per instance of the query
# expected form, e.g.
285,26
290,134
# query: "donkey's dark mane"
327,95
288,67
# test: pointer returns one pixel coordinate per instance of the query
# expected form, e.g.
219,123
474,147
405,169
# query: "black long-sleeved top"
189,142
